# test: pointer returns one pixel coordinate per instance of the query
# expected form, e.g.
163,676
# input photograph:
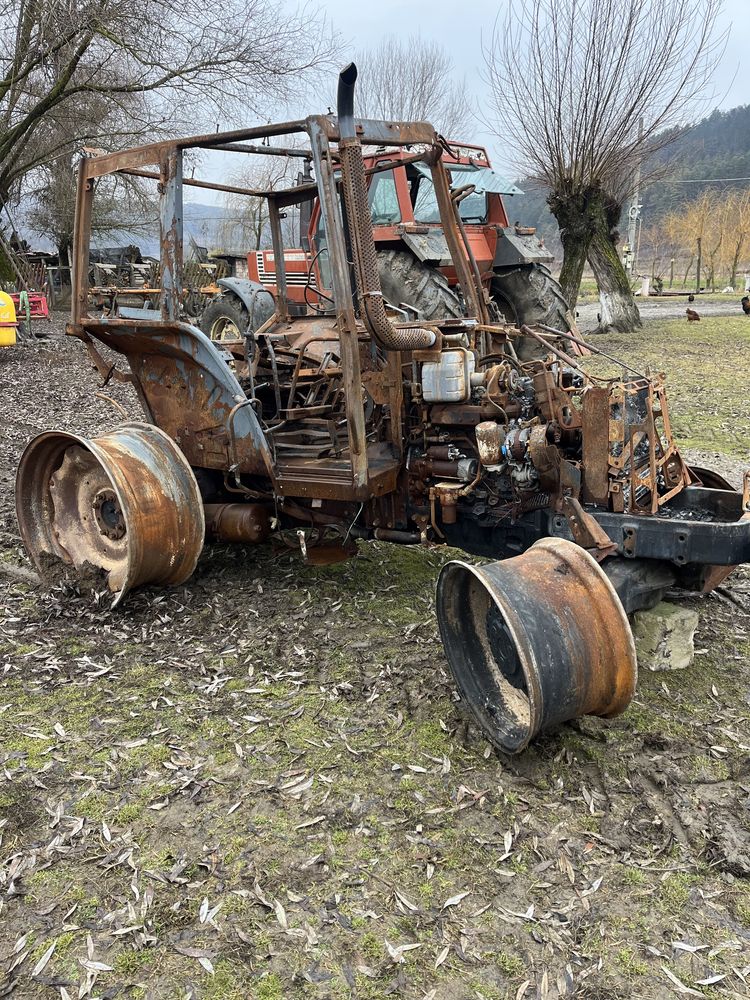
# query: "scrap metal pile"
359,418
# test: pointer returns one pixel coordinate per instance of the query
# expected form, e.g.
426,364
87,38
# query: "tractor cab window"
422,194
320,251
383,199
473,208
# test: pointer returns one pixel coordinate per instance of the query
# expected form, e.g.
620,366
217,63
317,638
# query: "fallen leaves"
455,900
42,963
226,777
398,953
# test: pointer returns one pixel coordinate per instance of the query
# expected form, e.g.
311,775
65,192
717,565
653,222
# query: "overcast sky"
461,32
362,25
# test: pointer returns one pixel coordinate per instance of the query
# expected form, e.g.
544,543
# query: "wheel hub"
108,515
225,329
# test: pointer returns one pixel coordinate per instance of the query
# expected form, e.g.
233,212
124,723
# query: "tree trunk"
618,310
571,209
587,220
575,251
687,272
736,259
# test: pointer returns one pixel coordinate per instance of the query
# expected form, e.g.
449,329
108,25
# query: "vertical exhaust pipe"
371,304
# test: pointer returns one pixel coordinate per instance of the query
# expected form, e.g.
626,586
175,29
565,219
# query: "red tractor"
416,272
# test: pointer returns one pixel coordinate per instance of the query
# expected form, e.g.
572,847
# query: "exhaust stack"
372,306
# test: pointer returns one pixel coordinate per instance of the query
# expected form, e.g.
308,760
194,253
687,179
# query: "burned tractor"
357,420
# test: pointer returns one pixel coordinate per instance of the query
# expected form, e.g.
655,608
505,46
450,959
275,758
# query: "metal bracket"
587,531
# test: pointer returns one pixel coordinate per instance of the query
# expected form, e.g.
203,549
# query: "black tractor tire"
406,280
224,318
529,295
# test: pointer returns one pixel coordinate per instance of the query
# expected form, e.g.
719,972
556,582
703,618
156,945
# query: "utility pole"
634,212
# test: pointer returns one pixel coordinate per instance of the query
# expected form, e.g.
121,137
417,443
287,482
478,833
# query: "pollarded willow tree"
587,90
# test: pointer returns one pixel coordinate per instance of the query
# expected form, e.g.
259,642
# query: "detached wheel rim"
123,508
87,523
535,641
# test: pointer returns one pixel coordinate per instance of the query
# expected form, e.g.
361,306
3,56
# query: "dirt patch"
660,308
261,784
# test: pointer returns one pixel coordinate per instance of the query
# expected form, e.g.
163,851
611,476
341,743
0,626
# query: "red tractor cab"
414,261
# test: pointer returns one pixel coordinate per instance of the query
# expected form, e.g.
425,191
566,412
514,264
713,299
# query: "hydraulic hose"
372,305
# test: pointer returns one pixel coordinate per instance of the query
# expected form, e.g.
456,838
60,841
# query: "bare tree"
412,80
720,220
245,224
191,63
587,89
124,205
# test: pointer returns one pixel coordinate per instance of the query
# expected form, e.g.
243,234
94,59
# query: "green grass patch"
705,364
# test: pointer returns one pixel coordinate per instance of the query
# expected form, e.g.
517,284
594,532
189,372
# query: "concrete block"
664,637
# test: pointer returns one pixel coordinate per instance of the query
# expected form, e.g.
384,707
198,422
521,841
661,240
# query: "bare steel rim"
535,641
123,507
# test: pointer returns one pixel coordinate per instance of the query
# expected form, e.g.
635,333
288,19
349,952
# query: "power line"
707,180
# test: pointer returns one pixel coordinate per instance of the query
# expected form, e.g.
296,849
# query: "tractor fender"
258,301
515,248
430,247
188,390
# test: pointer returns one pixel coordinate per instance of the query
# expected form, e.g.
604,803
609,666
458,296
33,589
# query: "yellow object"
8,322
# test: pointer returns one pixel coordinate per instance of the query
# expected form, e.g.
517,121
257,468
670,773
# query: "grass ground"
261,784
707,370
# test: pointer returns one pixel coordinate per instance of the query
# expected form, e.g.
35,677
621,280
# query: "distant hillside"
201,222
717,148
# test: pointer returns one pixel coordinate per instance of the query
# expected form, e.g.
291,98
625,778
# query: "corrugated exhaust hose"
371,303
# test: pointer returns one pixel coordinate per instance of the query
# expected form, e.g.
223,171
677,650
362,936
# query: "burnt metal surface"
700,526
536,641
237,522
190,391
123,507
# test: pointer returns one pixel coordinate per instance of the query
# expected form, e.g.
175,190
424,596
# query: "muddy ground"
261,784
